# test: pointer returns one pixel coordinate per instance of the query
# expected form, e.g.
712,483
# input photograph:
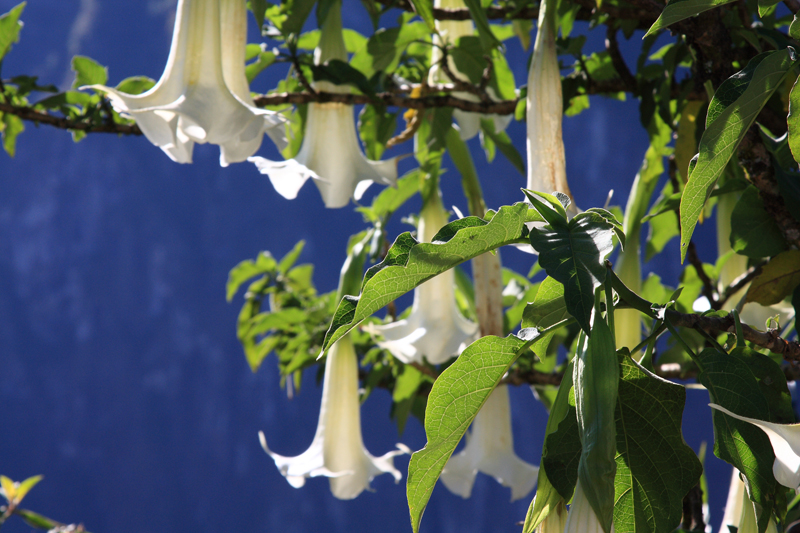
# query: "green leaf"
136,85
655,467
341,73
793,120
777,280
424,8
376,126
678,10
258,7
749,384
794,28
385,47
503,143
88,72
456,397
547,309
248,269
38,521
596,378
563,448
288,260
726,126
25,487
478,13
10,27
574,255
390,199
408,263
11,126
547,496
9,488
754,232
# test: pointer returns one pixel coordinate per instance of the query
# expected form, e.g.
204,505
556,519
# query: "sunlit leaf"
678,10
777,280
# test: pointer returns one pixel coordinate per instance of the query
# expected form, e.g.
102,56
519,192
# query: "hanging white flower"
785,440
203,95
435,328
739,510
490,449
330,153
547,168
555,521
450,31
581,517
337,450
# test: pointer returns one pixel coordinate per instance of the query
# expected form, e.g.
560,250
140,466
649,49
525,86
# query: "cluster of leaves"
14,492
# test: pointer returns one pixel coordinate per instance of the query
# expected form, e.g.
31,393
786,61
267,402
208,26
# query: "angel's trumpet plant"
435,328
449,32
739,510
785,440
490,449
330,153
547,168
337,450
203,95
581,517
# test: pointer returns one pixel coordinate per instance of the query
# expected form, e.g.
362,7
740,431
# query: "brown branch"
41,117
708,286
618,61
588,8
757,162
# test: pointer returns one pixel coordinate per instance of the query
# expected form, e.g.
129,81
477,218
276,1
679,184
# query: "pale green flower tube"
547,168
490,449
330,154
449,32
337,450
435,329
556,521
203,95
581,517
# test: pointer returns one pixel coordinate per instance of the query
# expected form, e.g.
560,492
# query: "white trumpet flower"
547,168
449,32
785,440
581,517
490,449
435,327
337,450
330,153
203,95
556,521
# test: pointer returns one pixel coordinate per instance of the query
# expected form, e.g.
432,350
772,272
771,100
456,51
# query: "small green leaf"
655,467
794,29
478,13
754,232
10,27
777,280
88,72
547,309
341,73
574,255
678,10
408,263
793,120
38,521
503,143
11,126
456,397
258,7
248,269
726,126
26,486
424,8
596,378
136,85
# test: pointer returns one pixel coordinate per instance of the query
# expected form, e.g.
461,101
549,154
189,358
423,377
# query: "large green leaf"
456,397
678,10
655,467
409,263
9,28
777,280
88,72
749,384
754,232
596,378
730,115
573,253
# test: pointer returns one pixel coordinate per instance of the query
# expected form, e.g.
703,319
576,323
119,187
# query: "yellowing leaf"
777,280
26,486
9,488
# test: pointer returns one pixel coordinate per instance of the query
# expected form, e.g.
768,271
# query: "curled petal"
785,440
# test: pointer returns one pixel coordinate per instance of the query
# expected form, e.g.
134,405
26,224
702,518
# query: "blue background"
121,379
